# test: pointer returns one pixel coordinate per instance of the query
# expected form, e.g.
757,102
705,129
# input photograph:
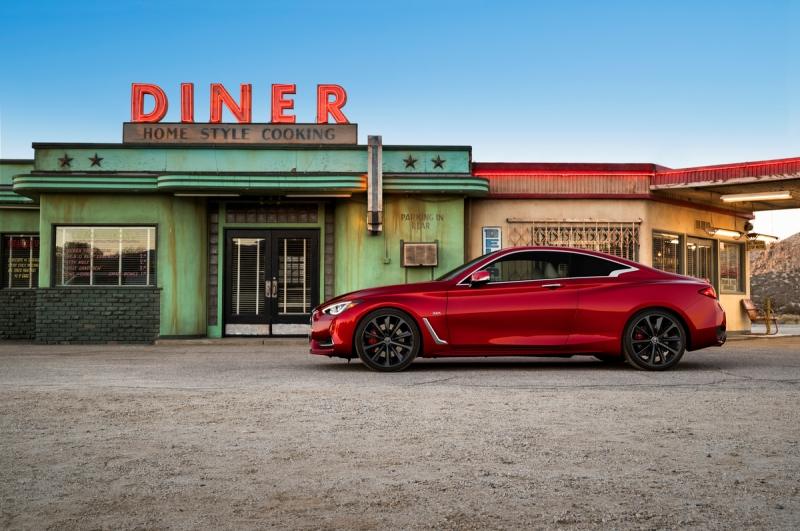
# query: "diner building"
138,240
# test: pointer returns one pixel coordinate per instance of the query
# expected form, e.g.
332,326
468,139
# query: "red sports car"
526,301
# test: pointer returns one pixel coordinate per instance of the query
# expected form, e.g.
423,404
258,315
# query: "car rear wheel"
654,340
387,340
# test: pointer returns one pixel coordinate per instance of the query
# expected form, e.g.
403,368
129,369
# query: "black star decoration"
65,161
438,162
410,162
96,160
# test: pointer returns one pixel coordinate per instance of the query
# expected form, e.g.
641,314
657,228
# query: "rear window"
583,265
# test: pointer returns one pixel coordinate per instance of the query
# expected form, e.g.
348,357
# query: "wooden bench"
757,316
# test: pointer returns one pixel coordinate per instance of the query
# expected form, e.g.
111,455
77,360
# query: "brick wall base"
97,315
17,313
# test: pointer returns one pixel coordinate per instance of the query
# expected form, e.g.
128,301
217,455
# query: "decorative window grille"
105,256
618,239
20,261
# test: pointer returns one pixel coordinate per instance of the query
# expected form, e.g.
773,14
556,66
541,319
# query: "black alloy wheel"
387,340
654,340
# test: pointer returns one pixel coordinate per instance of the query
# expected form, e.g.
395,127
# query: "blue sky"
675,83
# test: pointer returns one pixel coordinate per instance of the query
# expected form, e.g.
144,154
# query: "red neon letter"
138,92
219,95
325,106
279,104
187,103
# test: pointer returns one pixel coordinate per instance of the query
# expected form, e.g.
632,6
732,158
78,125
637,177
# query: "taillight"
708,292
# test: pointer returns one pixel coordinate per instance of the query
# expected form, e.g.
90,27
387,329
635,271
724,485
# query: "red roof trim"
524,195
659,175
561,168
481,173
731,166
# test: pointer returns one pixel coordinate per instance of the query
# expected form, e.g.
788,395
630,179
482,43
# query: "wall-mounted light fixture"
756,196
725,233
766,238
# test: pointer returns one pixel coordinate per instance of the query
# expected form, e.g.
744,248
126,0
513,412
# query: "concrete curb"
254,341
744,337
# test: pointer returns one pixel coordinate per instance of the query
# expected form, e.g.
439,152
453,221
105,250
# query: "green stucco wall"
181,246
19,220
364,260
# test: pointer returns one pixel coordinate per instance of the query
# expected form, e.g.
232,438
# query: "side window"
583,265
529,266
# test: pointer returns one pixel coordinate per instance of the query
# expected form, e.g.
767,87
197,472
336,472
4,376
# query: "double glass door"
272,281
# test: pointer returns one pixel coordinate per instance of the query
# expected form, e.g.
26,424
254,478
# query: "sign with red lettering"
330,101
149,105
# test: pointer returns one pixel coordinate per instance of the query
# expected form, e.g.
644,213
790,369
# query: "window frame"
614,274
740,288
54,270
34,283
714,259
681,250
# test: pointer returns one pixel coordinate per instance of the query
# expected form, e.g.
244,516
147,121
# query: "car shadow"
488,363
504,363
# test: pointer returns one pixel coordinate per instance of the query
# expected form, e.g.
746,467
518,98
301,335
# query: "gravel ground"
233,435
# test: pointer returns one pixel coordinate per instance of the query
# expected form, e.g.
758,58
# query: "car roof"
577,250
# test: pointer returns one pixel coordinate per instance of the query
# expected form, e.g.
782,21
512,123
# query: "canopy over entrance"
745,186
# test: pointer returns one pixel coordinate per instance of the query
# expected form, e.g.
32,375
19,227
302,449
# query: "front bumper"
330,335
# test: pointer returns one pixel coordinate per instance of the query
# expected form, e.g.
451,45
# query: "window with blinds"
248,265
20,261
294,276
105,256
700,258
667,252
730,267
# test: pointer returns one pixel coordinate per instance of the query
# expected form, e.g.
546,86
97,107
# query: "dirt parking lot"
243,435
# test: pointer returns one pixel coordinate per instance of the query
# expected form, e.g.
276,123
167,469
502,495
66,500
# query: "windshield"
450,275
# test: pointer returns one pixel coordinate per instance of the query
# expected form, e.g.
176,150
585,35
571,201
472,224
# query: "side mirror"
479,278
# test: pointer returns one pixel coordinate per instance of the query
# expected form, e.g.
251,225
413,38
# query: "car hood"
382,291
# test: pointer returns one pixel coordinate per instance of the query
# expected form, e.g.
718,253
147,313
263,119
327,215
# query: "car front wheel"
387,340
654,341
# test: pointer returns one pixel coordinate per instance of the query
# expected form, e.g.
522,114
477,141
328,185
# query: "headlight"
338,307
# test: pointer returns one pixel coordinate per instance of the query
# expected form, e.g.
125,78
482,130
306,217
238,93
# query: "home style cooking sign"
146,127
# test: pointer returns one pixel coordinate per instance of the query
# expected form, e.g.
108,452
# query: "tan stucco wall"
653,215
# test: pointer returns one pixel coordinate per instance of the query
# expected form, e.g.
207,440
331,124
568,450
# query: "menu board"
21,261
76,264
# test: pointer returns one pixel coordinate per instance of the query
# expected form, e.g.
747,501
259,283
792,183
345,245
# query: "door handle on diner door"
274,287
267,289
551,286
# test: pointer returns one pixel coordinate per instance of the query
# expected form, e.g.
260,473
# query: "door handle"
274,287
551,286
267,289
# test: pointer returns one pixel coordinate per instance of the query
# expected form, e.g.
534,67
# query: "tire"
654,340
387,340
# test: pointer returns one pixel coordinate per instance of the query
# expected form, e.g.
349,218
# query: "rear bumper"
714,332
